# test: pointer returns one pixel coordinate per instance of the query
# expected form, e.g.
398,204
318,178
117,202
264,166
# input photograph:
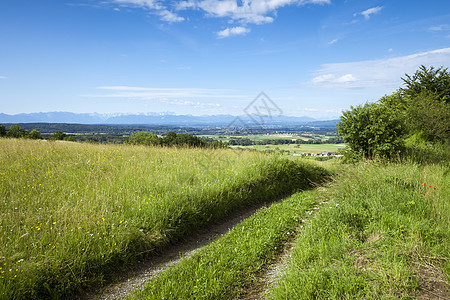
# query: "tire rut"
272,274
149,268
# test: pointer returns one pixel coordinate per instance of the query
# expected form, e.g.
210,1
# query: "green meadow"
378,230
383,234
74,214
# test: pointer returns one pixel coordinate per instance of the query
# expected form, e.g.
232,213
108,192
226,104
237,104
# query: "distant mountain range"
159,119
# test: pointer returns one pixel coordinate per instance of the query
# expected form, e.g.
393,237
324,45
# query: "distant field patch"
302,148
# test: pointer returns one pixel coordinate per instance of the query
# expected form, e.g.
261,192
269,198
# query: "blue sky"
311,57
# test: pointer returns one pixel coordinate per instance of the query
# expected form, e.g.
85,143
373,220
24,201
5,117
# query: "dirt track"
147,269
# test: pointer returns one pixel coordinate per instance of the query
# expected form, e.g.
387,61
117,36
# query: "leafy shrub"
15,131
145,138
373,129
2,130
35,135
430,115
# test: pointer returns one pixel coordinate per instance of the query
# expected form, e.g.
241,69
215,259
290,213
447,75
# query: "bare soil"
259,289
432,281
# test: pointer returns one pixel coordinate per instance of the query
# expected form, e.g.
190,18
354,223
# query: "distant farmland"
303,148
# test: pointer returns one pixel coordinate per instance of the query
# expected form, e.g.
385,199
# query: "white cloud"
146,93
232,31
315,2
320,113
148,4
333,41
245,11
345,78
200,98
249,11
442,27
323,78
368,12
196,104
308,109
169,16
154,6
382,73
332,78
3,77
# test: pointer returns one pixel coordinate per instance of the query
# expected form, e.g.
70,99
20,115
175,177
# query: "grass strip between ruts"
222,269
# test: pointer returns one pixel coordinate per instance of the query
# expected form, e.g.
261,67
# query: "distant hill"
327,123
157,119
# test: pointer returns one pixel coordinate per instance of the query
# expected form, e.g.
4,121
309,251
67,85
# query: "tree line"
172,139
418,112
15,131
138,138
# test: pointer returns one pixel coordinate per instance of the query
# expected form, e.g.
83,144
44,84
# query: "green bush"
15,131
430,115
2,130
418,109
145,138
373,130
35,135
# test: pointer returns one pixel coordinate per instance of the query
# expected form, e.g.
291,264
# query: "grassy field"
303,148
72,213
383,235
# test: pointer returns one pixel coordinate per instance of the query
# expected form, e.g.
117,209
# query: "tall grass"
384,235
72,214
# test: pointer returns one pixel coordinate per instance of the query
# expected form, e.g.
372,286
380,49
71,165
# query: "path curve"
151,267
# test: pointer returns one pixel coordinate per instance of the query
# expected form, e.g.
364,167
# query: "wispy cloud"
245,12
443,27
154,6
169,16
196,104
333,41
232,31
150,93
319,113
308,109
3,77
368,12
200,98
382,73
332,78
